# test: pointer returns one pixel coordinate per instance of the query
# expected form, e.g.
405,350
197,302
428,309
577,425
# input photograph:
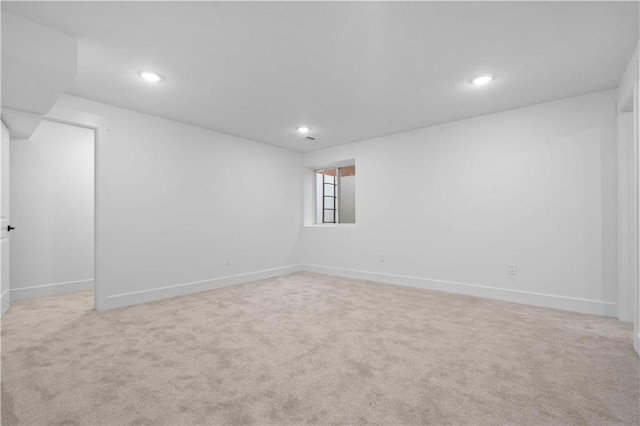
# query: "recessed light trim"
151,77
481,80
304,129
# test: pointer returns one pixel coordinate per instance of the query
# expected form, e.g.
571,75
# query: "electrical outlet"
512,269
382,257
228,260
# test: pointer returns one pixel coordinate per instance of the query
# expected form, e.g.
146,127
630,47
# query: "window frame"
321,209
334,197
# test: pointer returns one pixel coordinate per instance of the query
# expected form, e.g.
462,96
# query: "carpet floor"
309,348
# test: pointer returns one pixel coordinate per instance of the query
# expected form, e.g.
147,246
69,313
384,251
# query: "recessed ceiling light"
304,129
150,76
482,80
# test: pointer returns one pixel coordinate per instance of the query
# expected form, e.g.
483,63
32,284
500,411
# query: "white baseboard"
137,297
133,298
4,302
573,304
49,289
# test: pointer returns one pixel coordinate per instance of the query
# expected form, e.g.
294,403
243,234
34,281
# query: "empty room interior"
320,213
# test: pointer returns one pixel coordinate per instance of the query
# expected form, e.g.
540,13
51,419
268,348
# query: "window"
336,195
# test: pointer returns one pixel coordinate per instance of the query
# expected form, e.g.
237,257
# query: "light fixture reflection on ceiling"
304,129
482,80
150,76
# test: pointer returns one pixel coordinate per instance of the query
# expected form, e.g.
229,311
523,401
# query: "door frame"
628,115
626,202
96,135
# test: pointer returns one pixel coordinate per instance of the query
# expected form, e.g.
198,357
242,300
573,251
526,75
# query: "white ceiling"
37,66
350,70
20,127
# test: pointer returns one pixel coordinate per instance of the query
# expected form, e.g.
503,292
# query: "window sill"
331,225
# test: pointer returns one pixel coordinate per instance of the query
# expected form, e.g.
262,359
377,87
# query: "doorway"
52,208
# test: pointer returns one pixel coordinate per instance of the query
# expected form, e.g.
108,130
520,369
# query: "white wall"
52,210
636,136
451,206
175,201
534,186
4,213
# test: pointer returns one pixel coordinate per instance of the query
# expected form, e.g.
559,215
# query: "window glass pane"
347,171
327,172
347,197
335,187
319,183
329,189
328,202
328,216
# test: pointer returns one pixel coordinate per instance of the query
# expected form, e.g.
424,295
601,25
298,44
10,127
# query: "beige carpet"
314,349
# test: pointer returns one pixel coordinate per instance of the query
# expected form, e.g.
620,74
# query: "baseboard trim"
573,304
151,295
636,343
49,289
133,298
4,302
